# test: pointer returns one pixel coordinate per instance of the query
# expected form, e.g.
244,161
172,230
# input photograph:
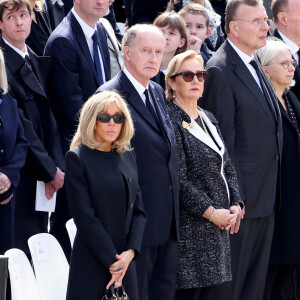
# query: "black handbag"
115,294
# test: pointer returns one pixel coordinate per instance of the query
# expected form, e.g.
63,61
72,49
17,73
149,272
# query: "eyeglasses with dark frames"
105,118
286,63
188,76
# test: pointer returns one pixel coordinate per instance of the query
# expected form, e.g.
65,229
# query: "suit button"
277,157
0,123
130,179
2,151
170,187
131,205
127,231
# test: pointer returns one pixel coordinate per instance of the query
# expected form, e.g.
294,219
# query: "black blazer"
286,244
13,147
157,163
72,77
56,12
12,142
296,88
252,137
105,202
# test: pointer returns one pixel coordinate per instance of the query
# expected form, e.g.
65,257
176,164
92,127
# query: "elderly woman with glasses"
208,192
283,278
104,198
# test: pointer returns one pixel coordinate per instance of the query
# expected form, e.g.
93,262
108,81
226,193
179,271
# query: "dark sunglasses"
188,76
105,118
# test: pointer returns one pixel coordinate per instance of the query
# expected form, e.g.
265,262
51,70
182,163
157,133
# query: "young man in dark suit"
240,96
27,74
287,20
154,145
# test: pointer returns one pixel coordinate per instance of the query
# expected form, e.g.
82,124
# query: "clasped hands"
119,268
5,185
54,185
225,219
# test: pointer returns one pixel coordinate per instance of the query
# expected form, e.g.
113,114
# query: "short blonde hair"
174,66
99,103
3,77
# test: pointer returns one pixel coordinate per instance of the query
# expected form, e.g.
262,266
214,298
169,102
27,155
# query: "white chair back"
71,228
50,265
22,281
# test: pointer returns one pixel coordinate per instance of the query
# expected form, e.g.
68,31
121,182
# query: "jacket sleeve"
89,227
43,164
18,156
196,202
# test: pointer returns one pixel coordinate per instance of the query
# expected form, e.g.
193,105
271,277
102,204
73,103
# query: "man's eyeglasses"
286,63
105,118
188,76
255,22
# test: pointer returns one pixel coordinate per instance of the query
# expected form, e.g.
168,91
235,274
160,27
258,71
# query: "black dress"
105,202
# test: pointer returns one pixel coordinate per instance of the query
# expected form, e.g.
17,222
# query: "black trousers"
250,252
157,271
283,282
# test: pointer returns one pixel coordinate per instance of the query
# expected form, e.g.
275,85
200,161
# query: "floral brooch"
187,125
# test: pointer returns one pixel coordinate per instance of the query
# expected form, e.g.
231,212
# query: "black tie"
27,59
264,88
150,106
97,58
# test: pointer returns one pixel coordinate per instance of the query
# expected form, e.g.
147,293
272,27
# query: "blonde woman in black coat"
283,279
105,200
208,194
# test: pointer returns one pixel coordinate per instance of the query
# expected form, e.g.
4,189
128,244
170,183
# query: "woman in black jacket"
105,200
13,150
283,280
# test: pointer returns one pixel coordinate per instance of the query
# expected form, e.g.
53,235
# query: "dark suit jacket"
56,12
107,209
13,147
296,88
45,152
156,159
286,245
72,77
13,142
252,137
145,11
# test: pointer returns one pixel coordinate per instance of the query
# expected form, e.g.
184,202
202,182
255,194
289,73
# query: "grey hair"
132,32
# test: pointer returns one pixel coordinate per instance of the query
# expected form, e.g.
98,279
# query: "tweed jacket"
206,177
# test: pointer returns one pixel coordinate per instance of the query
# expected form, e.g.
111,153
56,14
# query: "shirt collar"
291,44
87,29
138,86
244,57
23,54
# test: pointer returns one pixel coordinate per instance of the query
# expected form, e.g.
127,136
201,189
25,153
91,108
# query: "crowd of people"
175,148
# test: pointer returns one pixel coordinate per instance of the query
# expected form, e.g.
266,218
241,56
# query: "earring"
173,96
269,77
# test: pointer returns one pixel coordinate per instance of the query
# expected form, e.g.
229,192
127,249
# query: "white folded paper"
41,201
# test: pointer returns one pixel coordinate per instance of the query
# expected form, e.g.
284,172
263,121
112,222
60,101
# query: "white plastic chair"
50,265
22,280
121,27
72,229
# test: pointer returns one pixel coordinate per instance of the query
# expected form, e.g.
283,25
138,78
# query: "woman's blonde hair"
3,77
174,66
99,103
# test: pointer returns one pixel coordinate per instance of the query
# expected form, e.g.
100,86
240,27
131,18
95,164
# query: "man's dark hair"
13,5
277,6
232,7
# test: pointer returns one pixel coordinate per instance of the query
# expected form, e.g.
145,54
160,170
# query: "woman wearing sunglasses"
284,266
208,192
104,198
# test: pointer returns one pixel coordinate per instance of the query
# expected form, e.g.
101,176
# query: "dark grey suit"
254,142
